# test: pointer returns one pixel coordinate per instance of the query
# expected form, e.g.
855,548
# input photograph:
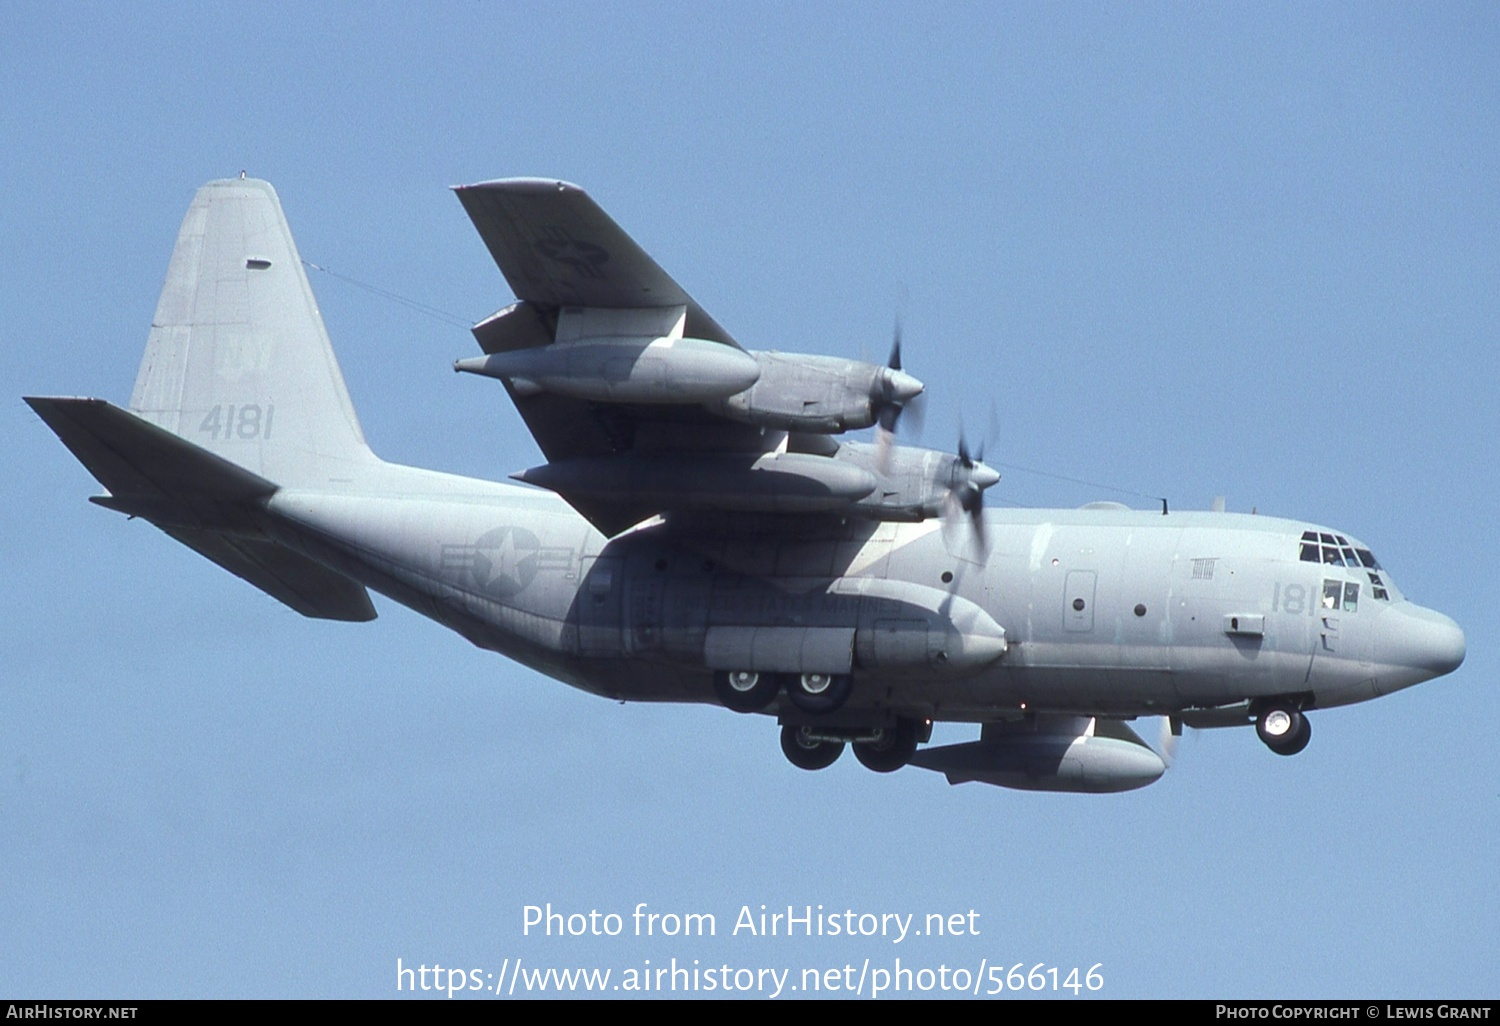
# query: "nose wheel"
1283,728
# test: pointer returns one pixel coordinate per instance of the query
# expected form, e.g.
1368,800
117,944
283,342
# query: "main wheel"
1298,741
745,691
891,750
819,693
807,752
1283,729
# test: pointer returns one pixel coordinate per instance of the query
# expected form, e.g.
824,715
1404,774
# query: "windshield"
1331,549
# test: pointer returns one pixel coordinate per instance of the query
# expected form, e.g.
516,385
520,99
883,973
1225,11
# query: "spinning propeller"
1171,735
966,493
893,393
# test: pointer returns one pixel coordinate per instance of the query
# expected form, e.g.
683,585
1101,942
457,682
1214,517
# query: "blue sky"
1181,250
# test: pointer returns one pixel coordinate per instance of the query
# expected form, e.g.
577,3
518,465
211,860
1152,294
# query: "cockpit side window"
1332,590
1351,597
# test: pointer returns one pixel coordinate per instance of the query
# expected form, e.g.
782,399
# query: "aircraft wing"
557,247
643,404
558,250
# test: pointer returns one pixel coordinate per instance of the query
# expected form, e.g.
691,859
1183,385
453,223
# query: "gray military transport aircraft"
702,532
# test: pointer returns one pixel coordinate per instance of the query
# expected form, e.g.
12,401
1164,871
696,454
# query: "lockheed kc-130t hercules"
702,530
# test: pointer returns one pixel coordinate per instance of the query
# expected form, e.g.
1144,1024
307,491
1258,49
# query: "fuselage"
1090,611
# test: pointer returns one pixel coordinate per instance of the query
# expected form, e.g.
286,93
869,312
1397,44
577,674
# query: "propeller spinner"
892,393
966,494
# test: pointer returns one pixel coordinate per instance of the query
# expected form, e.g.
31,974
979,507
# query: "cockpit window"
1334,591
1336,550
1331,592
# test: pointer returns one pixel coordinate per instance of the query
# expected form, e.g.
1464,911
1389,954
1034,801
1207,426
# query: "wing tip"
520,186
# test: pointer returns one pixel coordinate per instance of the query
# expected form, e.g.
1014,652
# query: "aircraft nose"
1421,639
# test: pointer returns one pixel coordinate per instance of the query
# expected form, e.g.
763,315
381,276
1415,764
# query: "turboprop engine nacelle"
1080,754
819,394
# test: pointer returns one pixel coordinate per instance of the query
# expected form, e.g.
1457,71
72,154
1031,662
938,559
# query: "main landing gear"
745,690
1283,728
816,746
819,693
809,748
890,748
816,694
882,749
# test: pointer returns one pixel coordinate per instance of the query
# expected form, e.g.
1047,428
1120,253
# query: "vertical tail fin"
238,361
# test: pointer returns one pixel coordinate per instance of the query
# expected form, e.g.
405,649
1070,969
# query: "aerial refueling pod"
623,370
1091,755
761,482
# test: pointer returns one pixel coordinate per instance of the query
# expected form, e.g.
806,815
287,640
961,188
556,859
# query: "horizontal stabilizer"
290,577
135,459
202,500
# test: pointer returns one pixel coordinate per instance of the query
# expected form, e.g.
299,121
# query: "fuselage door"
598,606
